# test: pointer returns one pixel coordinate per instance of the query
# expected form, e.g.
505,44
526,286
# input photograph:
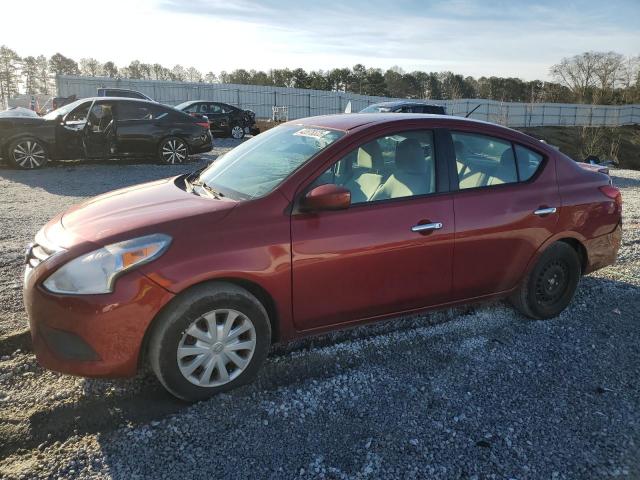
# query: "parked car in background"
225,119
404,106
18,112
122,93
314,225
57,102
98,128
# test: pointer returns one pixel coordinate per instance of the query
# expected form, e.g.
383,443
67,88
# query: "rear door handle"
545,211
426,226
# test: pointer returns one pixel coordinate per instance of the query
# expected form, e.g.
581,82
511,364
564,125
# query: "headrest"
370,156
507,158
410,156
459,149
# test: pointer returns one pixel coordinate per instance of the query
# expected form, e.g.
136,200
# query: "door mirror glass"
326,197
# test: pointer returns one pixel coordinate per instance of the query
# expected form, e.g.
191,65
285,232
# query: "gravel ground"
478,392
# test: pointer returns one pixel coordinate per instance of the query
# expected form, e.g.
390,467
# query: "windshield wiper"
212,191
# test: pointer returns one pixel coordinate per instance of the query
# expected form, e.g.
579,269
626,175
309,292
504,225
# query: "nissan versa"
317,224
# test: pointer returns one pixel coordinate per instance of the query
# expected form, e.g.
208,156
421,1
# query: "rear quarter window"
528,162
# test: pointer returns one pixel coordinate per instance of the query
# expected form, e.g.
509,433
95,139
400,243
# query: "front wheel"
173,150
27,154
212,338
237,132
549,288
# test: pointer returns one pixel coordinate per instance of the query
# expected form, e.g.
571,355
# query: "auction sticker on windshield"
312,132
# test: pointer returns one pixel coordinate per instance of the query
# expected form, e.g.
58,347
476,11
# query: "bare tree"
194,75
90,67
578,73
607,71
178,73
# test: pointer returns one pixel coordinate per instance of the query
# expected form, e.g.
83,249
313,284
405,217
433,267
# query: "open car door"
100,133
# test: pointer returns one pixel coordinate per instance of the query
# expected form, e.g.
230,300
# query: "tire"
174,351
172,151
237,132
549,287
27,153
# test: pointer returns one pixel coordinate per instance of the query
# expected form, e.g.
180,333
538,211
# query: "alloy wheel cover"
174,151
29,154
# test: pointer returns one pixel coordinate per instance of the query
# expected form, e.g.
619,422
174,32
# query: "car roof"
350,121
396,103
128,99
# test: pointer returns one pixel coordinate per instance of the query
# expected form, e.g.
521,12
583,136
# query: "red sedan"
314,225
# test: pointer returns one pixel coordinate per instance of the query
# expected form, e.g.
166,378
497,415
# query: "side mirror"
326,197
60,120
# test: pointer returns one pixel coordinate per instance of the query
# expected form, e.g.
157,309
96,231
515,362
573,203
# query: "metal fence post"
309,104
543,111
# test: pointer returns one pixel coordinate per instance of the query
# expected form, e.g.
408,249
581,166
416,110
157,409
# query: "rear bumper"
603,250
93,335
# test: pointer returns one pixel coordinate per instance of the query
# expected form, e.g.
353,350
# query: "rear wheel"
27,154
173,150
237,132
550,286
212,338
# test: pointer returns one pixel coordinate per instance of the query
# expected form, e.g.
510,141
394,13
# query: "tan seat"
413,175
505,172
367,178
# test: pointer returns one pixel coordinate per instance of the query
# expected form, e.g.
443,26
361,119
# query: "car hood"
154,207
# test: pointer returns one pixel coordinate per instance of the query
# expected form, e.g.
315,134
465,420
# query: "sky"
472,37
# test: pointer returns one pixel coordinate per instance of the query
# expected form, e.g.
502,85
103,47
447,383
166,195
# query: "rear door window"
140,111
483,161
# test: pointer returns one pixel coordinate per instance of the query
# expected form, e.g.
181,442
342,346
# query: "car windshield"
375,109
52,115
259,165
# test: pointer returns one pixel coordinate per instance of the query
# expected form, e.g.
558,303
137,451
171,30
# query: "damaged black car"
102,128
224,119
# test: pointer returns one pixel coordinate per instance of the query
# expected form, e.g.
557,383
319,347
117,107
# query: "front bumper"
92,335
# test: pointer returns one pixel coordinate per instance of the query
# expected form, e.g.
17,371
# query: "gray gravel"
477,392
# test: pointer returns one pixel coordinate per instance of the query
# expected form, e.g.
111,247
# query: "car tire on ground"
237,132
547,290
27,153
173,150
211,338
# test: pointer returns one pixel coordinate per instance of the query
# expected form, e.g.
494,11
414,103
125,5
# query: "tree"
9,79
110,70
577,73
178,73
61,65
194,75
30,75
90,67
375,84
44,77
608,71
210,77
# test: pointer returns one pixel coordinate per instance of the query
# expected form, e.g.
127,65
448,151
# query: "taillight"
613,193
203,124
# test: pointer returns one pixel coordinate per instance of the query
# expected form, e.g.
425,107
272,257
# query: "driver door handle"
426,226
545,211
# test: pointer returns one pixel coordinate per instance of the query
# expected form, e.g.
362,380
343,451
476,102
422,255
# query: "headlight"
95,272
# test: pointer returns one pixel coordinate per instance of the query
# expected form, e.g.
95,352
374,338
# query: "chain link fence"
305,103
